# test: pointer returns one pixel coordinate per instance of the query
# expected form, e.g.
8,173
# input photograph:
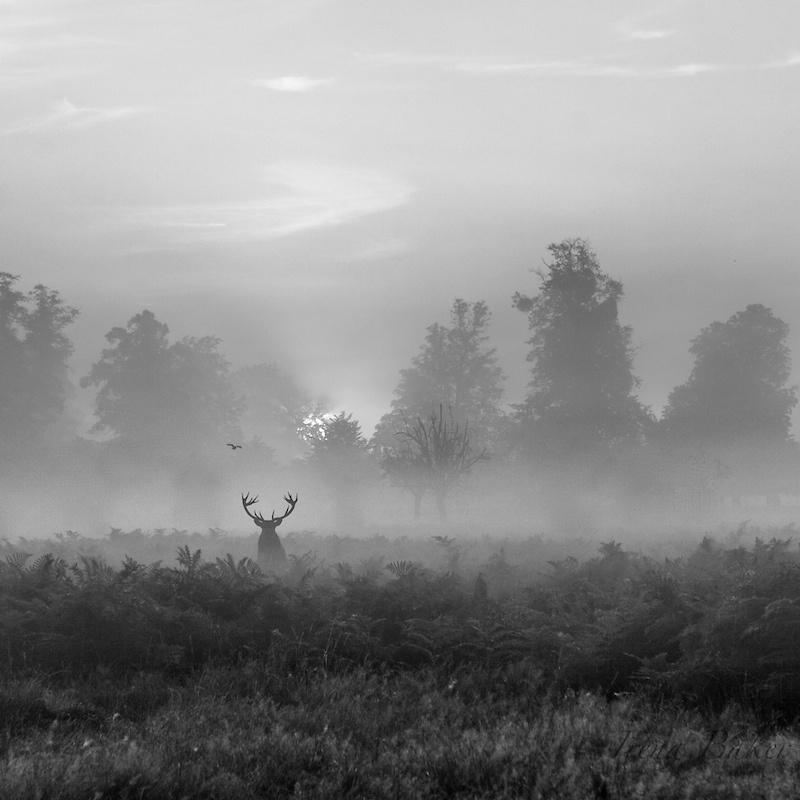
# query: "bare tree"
406,470
436,455
271,554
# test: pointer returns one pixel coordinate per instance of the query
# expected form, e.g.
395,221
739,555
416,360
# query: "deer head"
263,522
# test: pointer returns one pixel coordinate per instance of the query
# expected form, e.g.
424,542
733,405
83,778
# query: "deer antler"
292,502
248,501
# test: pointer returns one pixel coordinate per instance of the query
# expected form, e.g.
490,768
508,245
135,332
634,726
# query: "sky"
315,181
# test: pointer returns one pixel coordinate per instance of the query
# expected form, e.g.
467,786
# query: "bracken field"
166,664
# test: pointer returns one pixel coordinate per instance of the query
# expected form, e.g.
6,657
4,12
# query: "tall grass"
615,676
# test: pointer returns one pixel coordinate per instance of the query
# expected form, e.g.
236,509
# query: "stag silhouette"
271,554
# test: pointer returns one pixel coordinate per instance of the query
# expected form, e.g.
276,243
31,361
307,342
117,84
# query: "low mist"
176,435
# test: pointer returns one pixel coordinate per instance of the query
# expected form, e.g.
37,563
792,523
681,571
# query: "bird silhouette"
234,446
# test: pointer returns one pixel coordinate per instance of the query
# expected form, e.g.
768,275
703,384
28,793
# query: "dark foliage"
206,680
455,368
340,459
34,353
581,393
157,397
737,390
717,626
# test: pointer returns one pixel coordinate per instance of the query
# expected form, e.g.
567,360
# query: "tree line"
580,426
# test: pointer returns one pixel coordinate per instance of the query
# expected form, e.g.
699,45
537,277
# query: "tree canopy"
34,355
340,459
455,368
158,397
737,390
582,388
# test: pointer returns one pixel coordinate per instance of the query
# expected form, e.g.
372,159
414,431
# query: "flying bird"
234,446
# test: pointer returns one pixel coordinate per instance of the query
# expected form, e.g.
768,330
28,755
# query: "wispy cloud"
690,70
21,77
38,47
547,68
644,26
23,23
22,46
645,35
405,59
67,116
585,69
299,198
292,83
792,60
576,68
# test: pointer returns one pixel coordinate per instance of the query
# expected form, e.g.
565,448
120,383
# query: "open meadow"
166,664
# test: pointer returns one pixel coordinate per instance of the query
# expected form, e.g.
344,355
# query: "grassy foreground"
512,675
234,734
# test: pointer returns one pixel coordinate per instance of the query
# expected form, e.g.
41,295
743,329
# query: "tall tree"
733,414
340,457
48,351
737,390
34,355
155,397
12,306
581,396
455,368
12,357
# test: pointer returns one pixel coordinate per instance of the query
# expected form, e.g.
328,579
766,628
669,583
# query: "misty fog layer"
178,434
319,232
